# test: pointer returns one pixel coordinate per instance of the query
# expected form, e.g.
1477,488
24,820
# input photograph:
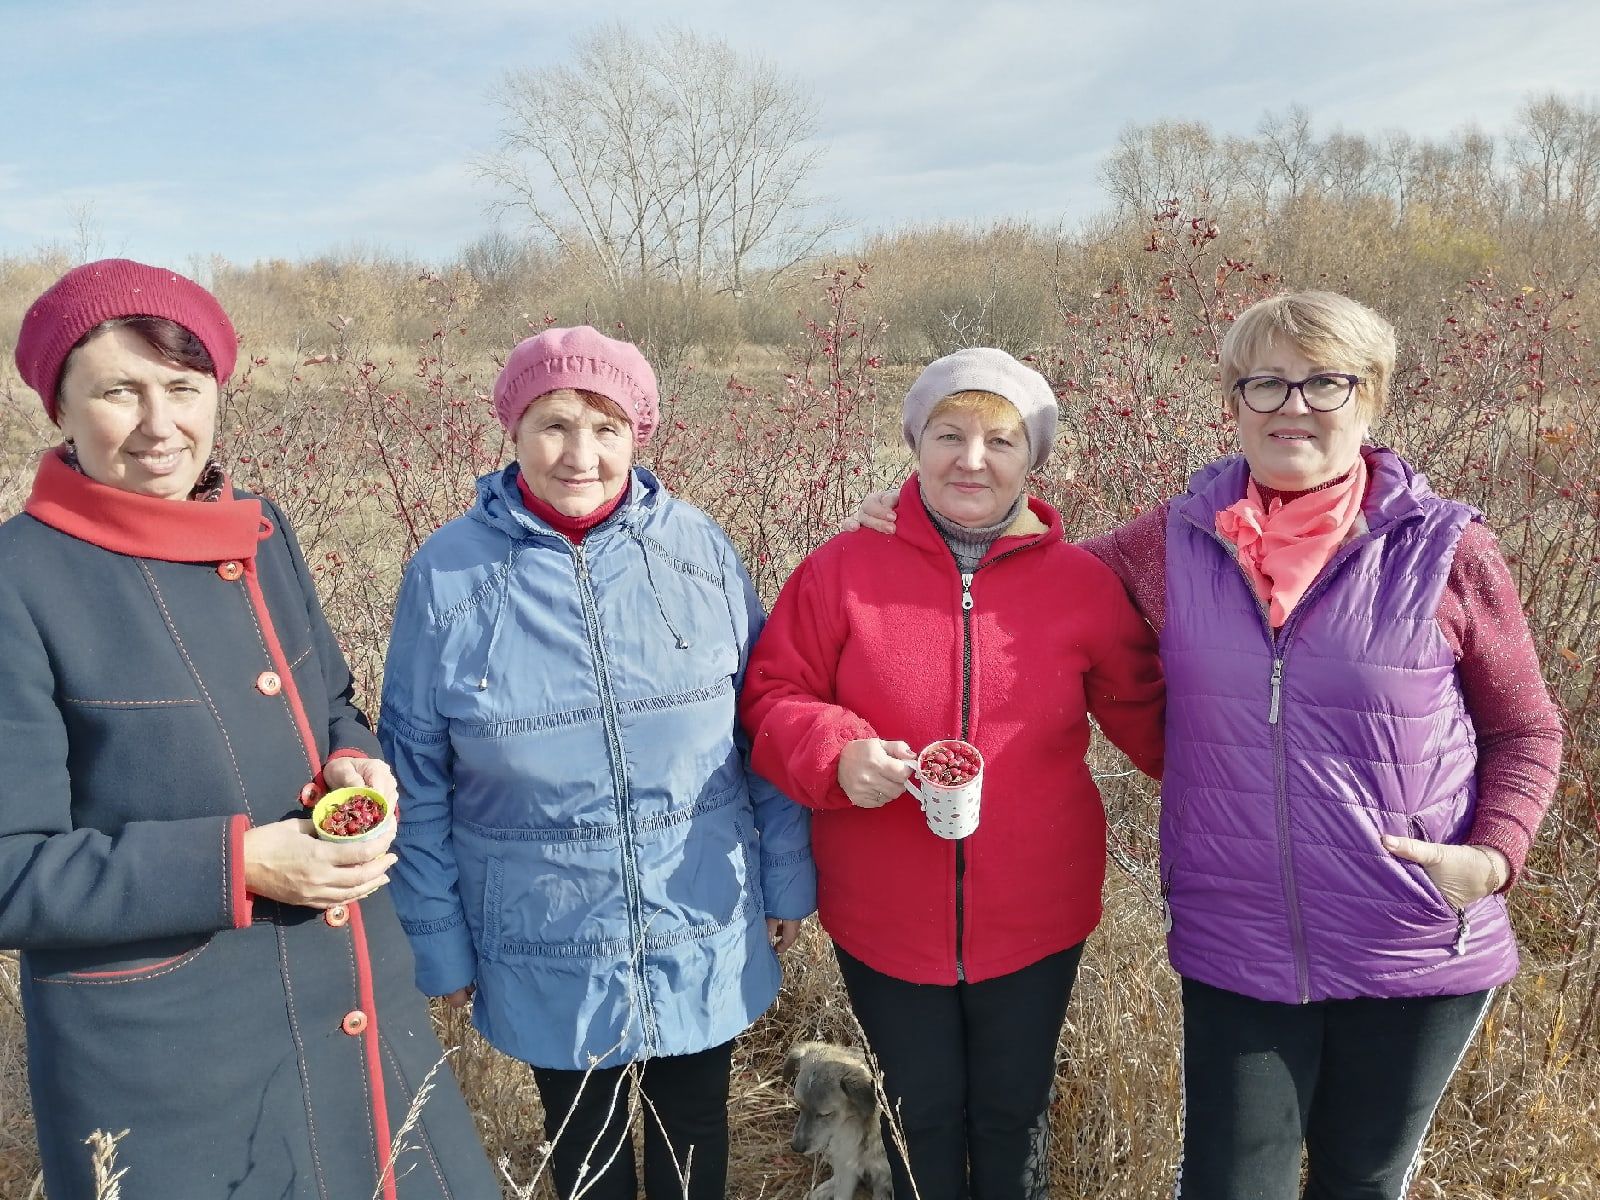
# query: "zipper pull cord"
966,591
1277,691
681,642
499,613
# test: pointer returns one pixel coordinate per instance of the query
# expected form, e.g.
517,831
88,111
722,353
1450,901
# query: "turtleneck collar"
571,528
970,543
144,526
1269,494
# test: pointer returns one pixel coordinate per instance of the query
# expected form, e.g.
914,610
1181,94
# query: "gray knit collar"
967,542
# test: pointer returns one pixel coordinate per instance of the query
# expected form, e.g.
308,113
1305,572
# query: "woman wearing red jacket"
976,621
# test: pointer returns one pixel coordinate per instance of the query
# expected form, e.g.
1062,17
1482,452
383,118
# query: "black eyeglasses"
1322,392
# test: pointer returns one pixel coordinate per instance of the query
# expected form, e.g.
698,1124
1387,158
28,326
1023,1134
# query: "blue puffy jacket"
580,833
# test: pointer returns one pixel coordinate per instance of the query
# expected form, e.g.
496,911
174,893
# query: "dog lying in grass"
838,1119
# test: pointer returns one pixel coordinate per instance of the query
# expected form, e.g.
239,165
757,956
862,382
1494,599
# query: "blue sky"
287,128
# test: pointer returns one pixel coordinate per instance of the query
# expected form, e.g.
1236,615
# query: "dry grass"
1522,1118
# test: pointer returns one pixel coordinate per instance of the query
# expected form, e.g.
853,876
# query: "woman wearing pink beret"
585,851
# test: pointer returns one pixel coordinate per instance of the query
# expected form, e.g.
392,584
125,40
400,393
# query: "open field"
370,441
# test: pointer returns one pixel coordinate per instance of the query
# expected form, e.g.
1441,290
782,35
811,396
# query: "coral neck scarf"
1283,545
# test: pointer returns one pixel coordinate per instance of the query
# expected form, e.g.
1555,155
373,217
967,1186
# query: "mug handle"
916,791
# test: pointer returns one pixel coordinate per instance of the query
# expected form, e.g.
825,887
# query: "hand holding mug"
873,772
948,783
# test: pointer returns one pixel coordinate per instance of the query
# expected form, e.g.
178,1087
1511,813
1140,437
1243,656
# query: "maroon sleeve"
1518,725
1125,688
1137,552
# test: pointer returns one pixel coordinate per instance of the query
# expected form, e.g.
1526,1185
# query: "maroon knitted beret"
110,288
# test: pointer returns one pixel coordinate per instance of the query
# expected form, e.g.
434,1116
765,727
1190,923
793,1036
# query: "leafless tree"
1477,182
1556,152
1349,165
1170,159
673,158
1286,142
1397,159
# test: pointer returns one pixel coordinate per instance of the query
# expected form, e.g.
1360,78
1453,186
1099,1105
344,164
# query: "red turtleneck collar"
572,528
143,526
1269,494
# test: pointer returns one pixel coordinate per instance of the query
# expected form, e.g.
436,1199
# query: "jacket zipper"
966,714
619,783
1280,765
967,605
1280,777
1415,829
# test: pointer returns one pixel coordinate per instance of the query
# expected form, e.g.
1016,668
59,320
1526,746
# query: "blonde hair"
1334,331
989,407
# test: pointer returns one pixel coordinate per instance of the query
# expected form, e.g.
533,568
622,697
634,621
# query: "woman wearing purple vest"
1360,747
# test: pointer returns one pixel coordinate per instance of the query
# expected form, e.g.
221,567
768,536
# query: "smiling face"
1297,448
973,460
139,422
575,456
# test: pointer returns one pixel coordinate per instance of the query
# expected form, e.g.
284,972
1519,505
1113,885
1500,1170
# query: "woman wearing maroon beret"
198,969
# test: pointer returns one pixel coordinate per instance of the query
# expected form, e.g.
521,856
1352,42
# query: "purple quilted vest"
1288,758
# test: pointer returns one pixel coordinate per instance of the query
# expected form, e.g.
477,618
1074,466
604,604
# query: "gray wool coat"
167,680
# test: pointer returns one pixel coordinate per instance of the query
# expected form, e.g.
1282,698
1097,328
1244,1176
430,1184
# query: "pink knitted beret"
101,291
581,358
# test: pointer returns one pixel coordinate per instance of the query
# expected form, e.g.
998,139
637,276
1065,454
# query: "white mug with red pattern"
951,771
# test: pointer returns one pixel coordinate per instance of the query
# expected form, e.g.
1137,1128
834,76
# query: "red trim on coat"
155,966
369,1041
280,664
142,526
243,905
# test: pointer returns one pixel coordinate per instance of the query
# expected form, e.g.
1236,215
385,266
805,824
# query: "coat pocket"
566,898
105,965
1417,828
702,874
1170,831
494,874
1397,884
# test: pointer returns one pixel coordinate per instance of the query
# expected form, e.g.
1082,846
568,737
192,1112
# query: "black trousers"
1355,1082
969,1068
684,1101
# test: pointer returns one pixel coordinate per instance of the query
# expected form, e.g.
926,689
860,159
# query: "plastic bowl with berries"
352,814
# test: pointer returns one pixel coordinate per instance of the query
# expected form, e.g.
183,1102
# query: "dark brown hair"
167,338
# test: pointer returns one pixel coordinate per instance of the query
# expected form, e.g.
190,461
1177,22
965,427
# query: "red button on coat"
230,570
336,916
268,683
354,1023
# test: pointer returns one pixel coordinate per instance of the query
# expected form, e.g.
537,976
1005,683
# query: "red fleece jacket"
869,639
